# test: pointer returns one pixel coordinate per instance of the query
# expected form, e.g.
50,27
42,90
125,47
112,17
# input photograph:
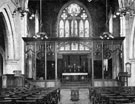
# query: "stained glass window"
81,29
62,48
72,28
67,28
76,28
64,16
74,22
86,28
86,48
83,16
61,28
67,46
74,46
74,9
81,47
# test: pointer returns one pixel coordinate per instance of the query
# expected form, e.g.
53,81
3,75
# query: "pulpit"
123,78
10,80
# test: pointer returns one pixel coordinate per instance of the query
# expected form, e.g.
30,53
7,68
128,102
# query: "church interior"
67,52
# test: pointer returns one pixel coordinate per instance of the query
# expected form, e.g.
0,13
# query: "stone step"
75,84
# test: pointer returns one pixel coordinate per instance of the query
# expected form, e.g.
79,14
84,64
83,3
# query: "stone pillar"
1,65
34,63
131,80
92,78
116,68
56,76
45,62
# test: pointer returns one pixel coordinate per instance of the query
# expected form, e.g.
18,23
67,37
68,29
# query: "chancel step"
75,84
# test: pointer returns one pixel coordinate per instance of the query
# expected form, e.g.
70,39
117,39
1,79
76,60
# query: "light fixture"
40,35
21,11
128,68
89,0
31,16
125,11
126,8
106,34
20,8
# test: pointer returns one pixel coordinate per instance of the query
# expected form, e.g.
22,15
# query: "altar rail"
112,95
30,96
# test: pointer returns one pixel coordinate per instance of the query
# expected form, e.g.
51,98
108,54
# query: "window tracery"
74,22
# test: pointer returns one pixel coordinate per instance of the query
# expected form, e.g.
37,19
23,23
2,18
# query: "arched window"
61,29
74,21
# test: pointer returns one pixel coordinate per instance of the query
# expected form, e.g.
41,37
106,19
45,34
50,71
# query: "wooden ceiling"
113,4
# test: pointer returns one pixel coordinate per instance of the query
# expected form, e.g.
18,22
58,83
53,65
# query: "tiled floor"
83,97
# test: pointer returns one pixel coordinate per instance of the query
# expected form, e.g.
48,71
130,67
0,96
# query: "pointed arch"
74,12
10,32
81,28
61,28
86,28
132,42
67,29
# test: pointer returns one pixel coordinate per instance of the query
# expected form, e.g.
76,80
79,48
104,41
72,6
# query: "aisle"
83,97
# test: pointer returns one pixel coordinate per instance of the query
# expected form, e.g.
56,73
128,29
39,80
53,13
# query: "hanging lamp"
106,34
40,35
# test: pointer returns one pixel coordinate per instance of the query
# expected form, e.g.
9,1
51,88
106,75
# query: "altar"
75,72
74,76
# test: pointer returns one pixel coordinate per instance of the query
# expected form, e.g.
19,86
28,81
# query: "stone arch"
9,40
9,37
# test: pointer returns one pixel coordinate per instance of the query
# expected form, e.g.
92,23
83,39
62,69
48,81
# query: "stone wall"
96,9
15,29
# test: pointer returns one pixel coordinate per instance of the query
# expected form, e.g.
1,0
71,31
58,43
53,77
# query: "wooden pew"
112,95
30,96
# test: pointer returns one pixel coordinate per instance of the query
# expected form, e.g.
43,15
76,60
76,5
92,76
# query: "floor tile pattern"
66,97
